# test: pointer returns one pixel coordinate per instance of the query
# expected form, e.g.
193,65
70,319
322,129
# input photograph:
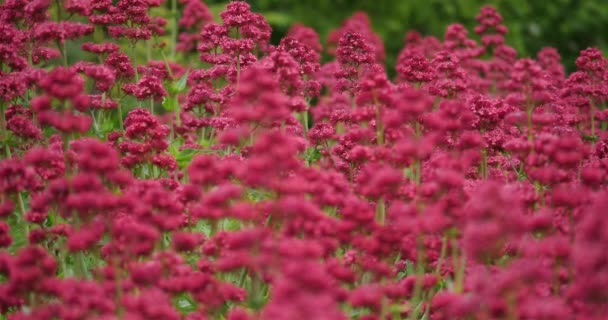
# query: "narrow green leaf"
181,84
169,103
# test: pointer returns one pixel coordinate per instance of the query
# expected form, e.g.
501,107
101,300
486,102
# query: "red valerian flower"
274,185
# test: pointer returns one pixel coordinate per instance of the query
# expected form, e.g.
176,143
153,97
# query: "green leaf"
590,138
169,103
184,157
174,147
409,268
232,224
312,155
185,304
107,125
17,231
180,86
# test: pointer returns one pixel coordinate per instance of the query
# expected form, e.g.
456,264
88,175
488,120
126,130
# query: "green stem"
381,211
164,241
379,127
62,264
238,69
171,128
2,122
65,54
176,111
81,265
118,290
95,124
444,249
119,110
175,27
417,296
418,171
22,218
305,122
556,281
417,162
592,115
460,264
134,60
242,278
529,109
484,163
59,6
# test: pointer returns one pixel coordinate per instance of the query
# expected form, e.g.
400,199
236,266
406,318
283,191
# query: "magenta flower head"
489,228
414,67
490,27
258,100
360,23
305,35
62,83
251,25
149,86
354,53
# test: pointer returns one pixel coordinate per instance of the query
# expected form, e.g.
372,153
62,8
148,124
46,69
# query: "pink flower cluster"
226,177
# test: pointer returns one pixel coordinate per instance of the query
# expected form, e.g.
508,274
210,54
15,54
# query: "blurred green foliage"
568,25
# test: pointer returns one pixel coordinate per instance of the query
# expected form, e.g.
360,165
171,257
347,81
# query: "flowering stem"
81,266
419,278
379,128
175,27
164,241
556,282
592,116
529,110
444,249
61,258
417,162
118,290
95,124
460,263
242,277
257,292
171,129
59,6
538,190
238,69
511,306
2,122
417,172
65,54
133,58
22,217
381,211
305,122
120,116
484,163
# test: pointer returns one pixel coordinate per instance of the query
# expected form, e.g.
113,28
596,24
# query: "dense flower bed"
189,169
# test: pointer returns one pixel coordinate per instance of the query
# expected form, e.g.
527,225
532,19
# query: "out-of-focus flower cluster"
225,177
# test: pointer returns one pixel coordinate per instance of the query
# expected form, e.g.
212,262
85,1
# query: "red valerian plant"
191,169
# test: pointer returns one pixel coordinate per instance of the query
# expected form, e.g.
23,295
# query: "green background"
568,25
